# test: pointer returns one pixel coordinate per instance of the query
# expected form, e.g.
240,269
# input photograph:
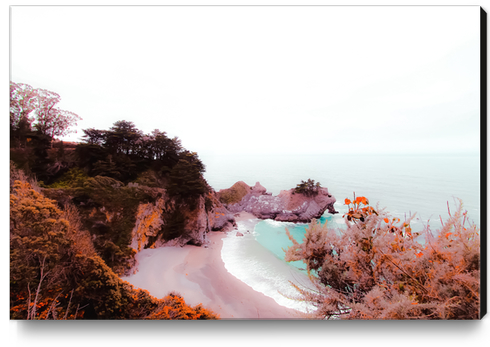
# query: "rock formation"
288,206
143,214
208,215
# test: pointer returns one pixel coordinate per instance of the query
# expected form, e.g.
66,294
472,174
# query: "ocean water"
424,185
402,184
254,264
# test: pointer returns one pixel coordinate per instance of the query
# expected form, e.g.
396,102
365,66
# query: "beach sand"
199,275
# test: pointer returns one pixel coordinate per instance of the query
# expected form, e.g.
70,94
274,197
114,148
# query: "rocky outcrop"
209,214
149,221
234,194
288,206
219,218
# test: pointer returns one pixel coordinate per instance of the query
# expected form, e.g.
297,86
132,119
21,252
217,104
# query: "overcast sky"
262,79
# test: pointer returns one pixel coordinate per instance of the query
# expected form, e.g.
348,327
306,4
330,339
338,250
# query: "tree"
94,137
41,161
49,120
308,188
185,179
52,121
122,137
22,103
377,269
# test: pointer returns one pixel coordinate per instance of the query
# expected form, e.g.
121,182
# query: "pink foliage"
25,102
378,269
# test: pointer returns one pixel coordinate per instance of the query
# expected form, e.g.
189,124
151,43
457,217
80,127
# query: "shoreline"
200,276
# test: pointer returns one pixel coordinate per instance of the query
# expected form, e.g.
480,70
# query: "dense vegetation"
123,152
308,188
70,233
56,273
109,174
378,269
106,176
73,207
35,109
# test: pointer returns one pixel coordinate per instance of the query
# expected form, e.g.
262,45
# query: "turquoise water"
402,185
252,263
272,235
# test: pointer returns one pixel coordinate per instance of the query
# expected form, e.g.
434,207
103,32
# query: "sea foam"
253,264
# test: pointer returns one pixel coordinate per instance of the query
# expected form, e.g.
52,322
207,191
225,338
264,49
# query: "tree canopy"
308,188
22,103
36,108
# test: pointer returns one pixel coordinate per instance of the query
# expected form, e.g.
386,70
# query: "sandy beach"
199,275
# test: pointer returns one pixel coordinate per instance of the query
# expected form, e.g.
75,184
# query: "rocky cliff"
125,219
288,206
209,214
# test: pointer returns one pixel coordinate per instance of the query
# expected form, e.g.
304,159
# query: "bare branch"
69,302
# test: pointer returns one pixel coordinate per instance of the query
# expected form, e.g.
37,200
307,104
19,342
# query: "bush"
108,210
149,178
73,178
378,269
174,307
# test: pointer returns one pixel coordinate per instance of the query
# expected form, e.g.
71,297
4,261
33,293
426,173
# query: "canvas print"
229,162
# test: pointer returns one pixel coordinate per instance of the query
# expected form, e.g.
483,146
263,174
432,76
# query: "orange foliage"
174,307
356,211
148,222
55,272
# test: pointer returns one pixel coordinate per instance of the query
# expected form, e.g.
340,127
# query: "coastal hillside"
80,212
57,273
86,216
132,190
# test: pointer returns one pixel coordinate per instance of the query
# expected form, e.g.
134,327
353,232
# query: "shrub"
173,306
149,178
73,178
378,269
43,253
